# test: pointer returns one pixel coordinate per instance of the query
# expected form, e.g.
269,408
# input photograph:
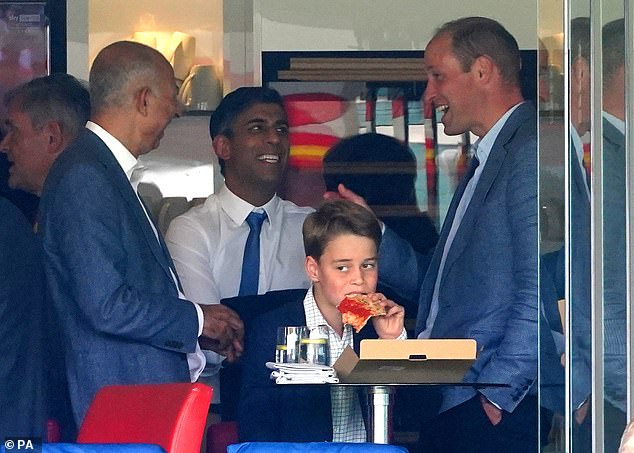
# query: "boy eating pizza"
341,241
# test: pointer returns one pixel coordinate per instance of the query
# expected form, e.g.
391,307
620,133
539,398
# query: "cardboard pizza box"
407,362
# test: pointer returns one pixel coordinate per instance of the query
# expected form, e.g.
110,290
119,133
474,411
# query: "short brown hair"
336,218
472,37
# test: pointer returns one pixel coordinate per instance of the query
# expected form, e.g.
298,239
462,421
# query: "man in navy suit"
21,326
111,278
614,233
482,280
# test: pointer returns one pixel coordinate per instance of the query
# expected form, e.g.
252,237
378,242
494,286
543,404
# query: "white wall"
373,25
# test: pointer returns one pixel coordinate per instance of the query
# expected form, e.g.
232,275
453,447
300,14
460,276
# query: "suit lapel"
121,182
489,173
432,273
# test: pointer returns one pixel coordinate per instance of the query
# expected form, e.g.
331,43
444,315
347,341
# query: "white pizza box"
407,362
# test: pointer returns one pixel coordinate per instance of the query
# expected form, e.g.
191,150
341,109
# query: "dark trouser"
615,421
466,428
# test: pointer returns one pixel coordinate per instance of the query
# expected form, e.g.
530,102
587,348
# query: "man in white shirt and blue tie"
245,239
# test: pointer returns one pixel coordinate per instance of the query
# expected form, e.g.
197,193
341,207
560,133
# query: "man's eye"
369,265
342,268
256,129
282,130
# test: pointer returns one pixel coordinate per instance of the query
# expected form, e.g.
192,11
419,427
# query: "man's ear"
222,147
483,68
580,69
141,100
312,269
55,138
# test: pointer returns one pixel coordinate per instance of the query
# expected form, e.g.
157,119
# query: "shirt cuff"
201,318
403,335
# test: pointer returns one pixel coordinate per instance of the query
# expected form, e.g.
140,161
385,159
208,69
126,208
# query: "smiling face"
256,152
450,89
348,265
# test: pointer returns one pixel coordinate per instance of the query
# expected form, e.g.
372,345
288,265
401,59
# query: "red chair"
170,415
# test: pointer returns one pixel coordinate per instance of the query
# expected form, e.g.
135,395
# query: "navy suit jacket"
279,413
614,272
109,278
489,286
21,326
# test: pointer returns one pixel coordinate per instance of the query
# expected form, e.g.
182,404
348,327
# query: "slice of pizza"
357,309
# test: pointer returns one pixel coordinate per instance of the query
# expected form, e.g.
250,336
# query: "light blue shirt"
482,150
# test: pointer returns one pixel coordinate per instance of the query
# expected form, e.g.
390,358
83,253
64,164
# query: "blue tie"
251,260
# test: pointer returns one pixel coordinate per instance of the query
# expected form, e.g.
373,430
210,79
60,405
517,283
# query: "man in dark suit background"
482,281
614,233
44,116
21,326
110,276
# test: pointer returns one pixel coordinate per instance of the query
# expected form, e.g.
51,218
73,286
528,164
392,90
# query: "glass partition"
584,205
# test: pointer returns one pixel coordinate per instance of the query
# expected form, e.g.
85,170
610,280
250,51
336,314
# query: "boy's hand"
391,325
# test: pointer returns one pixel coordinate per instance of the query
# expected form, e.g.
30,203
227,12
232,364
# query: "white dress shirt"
127,161
207,246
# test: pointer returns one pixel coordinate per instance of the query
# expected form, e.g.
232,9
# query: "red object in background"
308,149
220,436
313,108
53,431
170,415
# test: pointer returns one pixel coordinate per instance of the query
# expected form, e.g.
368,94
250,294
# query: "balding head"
121,68
133,94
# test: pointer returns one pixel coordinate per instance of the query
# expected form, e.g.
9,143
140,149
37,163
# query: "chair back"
313,447
170,415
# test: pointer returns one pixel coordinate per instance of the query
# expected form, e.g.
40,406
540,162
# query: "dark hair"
378,167
336,218
57,97
580,38
233,104
473,37
119,64
613,37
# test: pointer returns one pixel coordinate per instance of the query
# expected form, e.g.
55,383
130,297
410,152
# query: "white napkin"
302,373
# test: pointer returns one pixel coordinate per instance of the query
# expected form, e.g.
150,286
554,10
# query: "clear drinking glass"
288,343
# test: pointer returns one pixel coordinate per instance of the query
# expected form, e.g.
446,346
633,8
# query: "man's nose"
430,93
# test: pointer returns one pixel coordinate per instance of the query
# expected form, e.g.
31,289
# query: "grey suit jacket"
489,286
109,278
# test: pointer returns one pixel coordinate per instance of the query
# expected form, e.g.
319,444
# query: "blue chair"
310,447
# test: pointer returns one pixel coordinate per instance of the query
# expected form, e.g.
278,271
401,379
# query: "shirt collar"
616,122
314,317
124,157
485,143
238,209
577,144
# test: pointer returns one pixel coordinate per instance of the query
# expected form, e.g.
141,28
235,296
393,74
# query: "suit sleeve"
401,268
516,355
89,262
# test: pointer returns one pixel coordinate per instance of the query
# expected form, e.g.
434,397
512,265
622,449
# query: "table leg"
380,399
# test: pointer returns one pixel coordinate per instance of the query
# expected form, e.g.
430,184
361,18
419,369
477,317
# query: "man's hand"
493,413
582,412
346,194
223,331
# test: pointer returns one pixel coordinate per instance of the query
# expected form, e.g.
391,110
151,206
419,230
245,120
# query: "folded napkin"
302,373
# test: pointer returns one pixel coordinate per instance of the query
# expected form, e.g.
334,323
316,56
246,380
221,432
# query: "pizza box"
407,362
